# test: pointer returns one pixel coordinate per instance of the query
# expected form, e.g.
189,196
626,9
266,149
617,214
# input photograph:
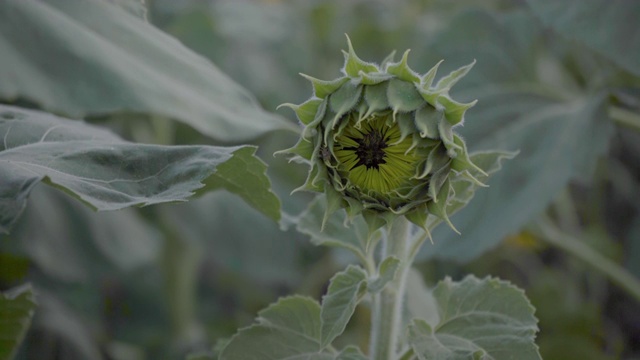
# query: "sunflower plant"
383,153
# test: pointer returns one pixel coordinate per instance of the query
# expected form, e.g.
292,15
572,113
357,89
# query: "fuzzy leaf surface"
246,176
559,136
478,319
286,330
16,310
610,27
136,8
98,167
89,58
351,353
345,291
386,272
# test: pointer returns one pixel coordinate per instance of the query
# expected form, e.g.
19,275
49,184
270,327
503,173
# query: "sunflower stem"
386,315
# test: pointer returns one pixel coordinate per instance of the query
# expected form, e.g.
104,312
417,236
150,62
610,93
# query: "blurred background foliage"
559,81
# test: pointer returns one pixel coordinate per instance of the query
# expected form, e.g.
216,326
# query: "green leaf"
66,326
503,44
246,176
345,291
464,188
49,234
386,272
560,132
102,170
351,353
292,328
335,233
479,319
89,58
133,7
608,27
558,142
288,329
16,310
420,303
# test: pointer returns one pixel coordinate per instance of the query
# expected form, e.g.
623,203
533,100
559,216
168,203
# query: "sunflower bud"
381,142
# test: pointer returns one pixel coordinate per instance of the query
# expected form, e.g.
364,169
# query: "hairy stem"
386,315
180,261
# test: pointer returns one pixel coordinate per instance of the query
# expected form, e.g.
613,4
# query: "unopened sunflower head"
380,141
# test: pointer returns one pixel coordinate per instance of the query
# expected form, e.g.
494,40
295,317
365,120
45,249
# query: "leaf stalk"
580,250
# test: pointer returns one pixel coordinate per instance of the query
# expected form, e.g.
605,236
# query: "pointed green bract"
322,88
456,115
306,111
403,96
448,81
384,143
353,64
402,70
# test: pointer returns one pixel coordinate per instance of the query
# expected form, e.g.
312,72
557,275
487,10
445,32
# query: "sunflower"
381,140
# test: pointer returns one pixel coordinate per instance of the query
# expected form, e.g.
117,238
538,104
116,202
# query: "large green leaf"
557,141
559,131
345,291
66,332
294,327
98,167
81,58
420,303
288,329
478,319
16,310
610,27
134,7
71,243
245,175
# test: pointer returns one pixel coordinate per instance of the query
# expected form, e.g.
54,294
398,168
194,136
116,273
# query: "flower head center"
370,150
373,156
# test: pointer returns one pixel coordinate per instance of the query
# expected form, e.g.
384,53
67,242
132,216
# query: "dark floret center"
370,150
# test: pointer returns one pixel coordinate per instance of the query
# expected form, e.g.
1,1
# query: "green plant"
161,124
380,143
